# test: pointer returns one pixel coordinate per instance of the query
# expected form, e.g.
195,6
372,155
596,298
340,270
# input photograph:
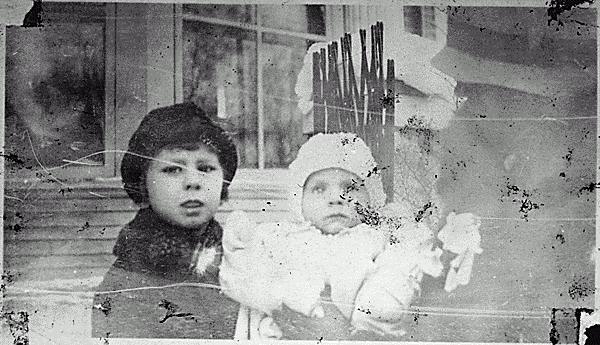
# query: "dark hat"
176,126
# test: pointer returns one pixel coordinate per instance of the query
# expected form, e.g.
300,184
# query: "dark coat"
153,253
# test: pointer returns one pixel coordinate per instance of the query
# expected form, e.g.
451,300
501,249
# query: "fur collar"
149,243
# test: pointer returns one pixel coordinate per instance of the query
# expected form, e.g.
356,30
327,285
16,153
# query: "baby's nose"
336,198
336,202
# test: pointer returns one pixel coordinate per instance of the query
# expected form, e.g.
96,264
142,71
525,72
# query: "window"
56,95
420,20
240,64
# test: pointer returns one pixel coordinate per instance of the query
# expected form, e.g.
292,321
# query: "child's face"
329,199
184,187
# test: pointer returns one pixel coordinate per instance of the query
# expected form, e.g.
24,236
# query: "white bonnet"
335,150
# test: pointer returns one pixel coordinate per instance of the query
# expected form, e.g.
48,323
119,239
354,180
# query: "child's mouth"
192,204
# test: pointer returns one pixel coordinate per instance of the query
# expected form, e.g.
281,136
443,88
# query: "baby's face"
184,187
329,199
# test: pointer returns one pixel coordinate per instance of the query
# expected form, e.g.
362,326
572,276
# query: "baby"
341,235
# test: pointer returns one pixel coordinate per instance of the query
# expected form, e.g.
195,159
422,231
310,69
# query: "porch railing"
363,105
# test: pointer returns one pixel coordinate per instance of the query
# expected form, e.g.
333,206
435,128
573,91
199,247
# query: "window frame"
259,30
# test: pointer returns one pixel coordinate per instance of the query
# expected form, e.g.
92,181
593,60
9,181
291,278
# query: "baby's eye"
206,168
318,190
172,169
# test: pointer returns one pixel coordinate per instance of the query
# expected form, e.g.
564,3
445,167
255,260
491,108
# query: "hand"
268,329
460,270
303,295
461,236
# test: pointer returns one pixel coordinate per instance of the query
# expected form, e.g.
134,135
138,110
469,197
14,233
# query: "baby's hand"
268,329
318,312
461,236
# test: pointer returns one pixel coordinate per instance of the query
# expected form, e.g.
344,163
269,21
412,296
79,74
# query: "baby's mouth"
192,204
338,216
335,223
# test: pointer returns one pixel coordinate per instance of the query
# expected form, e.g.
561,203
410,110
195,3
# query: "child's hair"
335,150
181,126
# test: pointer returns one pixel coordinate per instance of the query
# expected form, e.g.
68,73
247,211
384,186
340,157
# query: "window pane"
316,19
219,68
283,58
298,18
413,21
55,93
220,76
238,13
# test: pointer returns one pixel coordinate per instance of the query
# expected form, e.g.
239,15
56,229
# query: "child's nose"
193,180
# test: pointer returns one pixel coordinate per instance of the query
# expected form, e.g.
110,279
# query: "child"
177,169
340,240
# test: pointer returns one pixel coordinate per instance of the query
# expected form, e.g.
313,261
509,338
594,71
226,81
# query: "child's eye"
206,168
172,169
